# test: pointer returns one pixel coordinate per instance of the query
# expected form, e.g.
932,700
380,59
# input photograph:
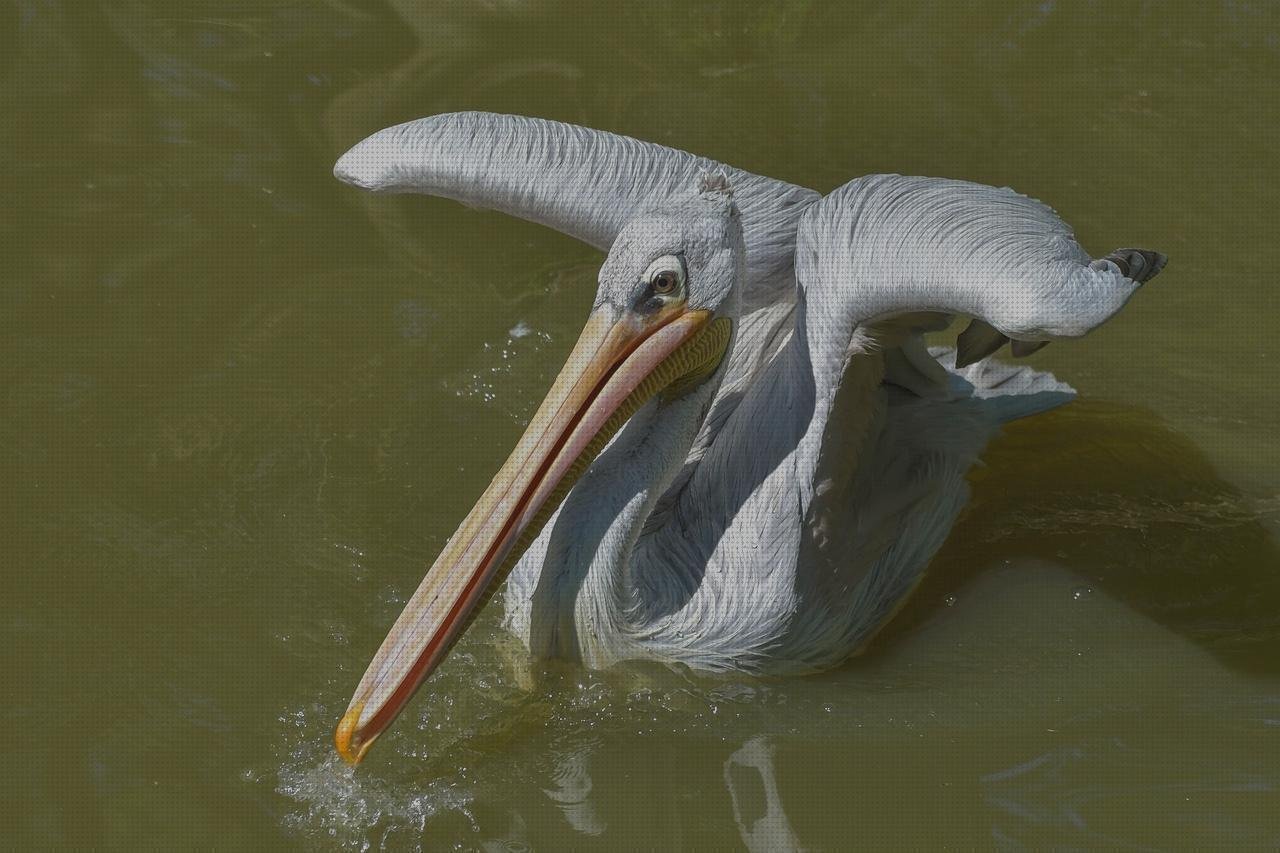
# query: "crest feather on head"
714,182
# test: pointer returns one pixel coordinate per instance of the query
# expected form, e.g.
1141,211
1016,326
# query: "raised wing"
887,245
878,260
583,182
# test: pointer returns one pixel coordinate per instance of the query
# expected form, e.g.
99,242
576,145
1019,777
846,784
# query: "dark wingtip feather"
1140,265
976,342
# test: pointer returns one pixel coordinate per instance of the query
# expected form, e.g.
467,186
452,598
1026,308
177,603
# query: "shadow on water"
1137,510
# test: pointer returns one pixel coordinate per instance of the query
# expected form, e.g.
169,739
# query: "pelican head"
660,325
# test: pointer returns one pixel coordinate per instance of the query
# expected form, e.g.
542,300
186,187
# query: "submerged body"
750,456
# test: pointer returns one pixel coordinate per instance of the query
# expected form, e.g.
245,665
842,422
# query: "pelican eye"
665,276
665,281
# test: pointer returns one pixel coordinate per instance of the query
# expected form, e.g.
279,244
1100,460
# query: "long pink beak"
614,354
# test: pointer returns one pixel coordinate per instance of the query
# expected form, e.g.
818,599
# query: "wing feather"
885,245
583,182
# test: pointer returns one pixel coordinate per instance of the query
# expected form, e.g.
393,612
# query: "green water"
242,407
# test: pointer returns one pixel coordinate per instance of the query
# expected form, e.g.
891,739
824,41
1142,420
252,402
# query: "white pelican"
750,455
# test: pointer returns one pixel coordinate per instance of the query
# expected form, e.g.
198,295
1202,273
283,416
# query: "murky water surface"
242,406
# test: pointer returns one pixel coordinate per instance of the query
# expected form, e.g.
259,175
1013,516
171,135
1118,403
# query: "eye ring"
665,276
665,281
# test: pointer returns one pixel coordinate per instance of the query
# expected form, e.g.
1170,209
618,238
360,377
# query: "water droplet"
950,601
1081,592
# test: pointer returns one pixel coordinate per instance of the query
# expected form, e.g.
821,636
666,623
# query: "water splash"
332,803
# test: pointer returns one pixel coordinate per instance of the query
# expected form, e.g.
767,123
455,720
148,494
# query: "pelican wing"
583,182
878,260
887,245
890,255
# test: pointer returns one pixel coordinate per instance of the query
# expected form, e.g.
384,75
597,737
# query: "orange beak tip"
347,739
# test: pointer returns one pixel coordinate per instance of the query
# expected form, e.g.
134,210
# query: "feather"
583,182
774,518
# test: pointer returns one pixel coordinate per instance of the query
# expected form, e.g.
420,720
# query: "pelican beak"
614,363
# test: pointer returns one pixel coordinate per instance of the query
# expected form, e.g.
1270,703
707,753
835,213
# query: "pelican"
750,455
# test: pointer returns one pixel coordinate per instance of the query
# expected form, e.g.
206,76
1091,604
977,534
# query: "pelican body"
750,455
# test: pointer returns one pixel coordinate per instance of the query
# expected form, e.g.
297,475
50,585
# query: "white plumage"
774,518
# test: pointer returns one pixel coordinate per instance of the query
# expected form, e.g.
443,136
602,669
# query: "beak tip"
346,738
